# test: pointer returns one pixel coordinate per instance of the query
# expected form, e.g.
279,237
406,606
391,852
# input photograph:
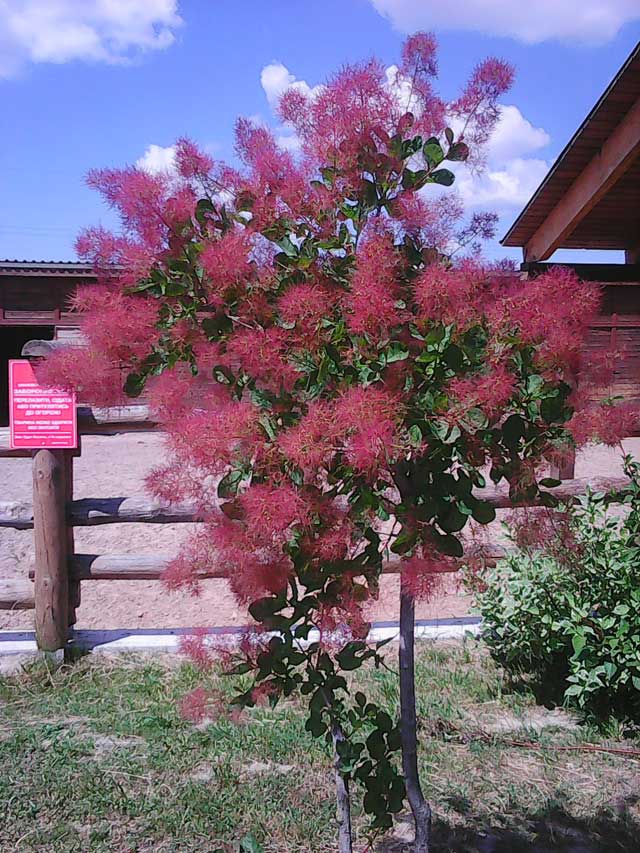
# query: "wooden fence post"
566,469
50,486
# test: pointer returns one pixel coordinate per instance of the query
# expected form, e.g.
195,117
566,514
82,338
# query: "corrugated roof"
613,105
46,268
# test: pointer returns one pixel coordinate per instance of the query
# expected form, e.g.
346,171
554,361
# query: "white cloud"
510,176
514,135
288,141
58,31
157,159
401,88
594,21
276,79
497,188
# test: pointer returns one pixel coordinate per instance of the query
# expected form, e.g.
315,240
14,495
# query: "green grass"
95,757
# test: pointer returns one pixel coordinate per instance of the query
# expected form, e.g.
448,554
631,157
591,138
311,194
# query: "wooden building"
590,199
34,305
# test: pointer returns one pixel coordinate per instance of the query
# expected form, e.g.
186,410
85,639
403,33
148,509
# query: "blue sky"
87,84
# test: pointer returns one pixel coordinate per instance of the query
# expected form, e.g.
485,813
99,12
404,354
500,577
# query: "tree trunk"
343,801
408,726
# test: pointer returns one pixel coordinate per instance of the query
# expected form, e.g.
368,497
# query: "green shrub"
565,611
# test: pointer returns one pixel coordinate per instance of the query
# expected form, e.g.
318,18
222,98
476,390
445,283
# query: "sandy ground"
115,466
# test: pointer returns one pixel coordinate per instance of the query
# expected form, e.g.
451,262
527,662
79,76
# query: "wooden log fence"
141,509
54,588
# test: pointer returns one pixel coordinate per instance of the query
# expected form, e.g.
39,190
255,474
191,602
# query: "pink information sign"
40,417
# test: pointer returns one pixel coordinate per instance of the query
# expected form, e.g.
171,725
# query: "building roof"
45,268
610,219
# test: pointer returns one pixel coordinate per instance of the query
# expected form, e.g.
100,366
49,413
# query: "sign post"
44,420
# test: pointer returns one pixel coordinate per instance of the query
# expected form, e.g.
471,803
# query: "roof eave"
513,242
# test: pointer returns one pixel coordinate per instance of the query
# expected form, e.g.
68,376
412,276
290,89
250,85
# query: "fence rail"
54,587
140,509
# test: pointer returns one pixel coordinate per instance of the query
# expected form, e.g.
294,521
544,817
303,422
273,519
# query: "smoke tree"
335,369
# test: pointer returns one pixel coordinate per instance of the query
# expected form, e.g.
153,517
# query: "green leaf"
347,659
433,153
551,409
513,430
210,326
229,484
373,803
411,146
134,384
548,500
415,180
268,426
449,135
454,357
452,520
404,541
483,513
473,420
296,474
376,745
535,384
143,285
223,375
382,513
459,151
578,641
395,352
370,193
446,432
550,482
175,287
444,177
449,545
288,246
415,434
384,722
316,725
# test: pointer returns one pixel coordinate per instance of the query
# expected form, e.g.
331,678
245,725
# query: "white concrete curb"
110,642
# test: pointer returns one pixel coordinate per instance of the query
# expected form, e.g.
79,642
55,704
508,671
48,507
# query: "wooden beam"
613,159
618,274
6,452
126,567
140,509
93,511
16,594
16,514
115,420
149,567
90,512
93,421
